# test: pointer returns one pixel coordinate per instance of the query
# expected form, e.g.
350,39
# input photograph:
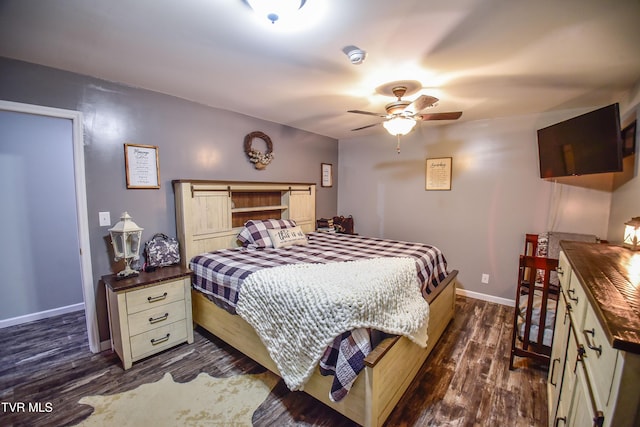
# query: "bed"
211,214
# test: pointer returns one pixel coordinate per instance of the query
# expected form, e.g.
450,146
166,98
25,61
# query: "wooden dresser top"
611,276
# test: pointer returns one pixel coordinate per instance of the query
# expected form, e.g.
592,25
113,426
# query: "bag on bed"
343,224
162,251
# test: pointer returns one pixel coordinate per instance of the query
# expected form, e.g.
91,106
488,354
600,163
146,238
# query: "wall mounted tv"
587,144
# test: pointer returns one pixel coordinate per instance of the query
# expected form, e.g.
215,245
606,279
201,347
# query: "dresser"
594,374
149,313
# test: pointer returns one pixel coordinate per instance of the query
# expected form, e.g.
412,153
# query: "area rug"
204,401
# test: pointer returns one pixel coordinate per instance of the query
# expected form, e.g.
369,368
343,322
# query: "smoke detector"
355,54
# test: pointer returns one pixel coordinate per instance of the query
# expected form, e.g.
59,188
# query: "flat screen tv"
587,144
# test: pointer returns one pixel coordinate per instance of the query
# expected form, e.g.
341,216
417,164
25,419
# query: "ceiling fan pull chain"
398,145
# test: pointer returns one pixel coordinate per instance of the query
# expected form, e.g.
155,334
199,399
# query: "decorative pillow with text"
254,233
287,237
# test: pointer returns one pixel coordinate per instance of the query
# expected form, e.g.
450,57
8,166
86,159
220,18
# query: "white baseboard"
40,315
485,297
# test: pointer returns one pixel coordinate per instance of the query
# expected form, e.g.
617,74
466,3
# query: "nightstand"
149,313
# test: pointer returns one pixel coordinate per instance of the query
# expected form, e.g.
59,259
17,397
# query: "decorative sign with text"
142,166
438,174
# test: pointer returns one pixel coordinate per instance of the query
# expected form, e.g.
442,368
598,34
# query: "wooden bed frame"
210,214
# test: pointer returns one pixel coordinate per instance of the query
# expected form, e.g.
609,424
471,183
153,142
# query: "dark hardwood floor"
465,382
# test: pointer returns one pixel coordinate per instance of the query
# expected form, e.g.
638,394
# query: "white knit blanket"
299,309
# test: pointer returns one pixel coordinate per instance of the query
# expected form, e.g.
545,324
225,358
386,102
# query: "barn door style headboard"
210,214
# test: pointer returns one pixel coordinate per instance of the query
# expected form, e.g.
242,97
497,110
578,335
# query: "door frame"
88,290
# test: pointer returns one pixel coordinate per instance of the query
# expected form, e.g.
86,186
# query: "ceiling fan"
402,115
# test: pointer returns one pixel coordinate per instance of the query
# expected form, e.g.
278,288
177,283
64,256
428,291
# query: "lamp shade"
125,238
632,234
275,10
399,125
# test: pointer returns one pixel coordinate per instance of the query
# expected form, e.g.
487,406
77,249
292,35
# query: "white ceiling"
487,58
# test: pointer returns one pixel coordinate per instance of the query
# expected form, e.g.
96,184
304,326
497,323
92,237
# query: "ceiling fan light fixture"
275,10
399,125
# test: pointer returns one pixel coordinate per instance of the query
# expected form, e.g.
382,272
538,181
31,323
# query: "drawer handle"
593,347
582,353
567,314
156,299
560,271
572,298
563,419
553,369
160,340
159,318
598,420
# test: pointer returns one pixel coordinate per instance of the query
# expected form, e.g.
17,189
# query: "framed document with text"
142,166
326,175
438,174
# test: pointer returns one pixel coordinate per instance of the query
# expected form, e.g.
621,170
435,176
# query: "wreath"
260,160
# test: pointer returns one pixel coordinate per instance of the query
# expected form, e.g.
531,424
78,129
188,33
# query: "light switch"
105,219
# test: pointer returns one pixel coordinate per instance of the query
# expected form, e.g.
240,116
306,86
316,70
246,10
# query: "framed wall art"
326,174
142,166
438,173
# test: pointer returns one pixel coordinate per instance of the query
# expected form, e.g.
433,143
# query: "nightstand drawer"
146,298
156,317
158,339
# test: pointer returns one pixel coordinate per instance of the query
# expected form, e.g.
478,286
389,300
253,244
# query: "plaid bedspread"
220,274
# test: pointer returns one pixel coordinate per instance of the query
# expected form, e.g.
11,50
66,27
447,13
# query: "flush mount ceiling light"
275,10
355,54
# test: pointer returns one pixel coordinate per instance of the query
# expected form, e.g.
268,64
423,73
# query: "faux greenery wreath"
260,160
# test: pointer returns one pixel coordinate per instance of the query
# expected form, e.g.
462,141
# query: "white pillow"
287,237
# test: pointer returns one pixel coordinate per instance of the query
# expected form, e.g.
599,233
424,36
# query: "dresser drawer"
158,339
564,271
600,357
146,298
569,379
578,300
156,317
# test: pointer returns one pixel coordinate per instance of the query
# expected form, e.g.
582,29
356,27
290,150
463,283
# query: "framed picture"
438,174
142,166
326,175
629,139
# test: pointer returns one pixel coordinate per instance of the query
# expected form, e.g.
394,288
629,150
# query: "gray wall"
194,142
496,197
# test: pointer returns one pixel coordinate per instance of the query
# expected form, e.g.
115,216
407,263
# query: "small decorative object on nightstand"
149,313
125,238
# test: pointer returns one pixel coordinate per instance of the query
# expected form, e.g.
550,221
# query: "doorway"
46,214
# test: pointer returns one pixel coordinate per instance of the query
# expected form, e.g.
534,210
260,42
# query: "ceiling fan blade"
422,102
368,113
365,127
453,115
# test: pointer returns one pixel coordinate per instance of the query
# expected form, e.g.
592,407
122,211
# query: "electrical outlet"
485,278
105,219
